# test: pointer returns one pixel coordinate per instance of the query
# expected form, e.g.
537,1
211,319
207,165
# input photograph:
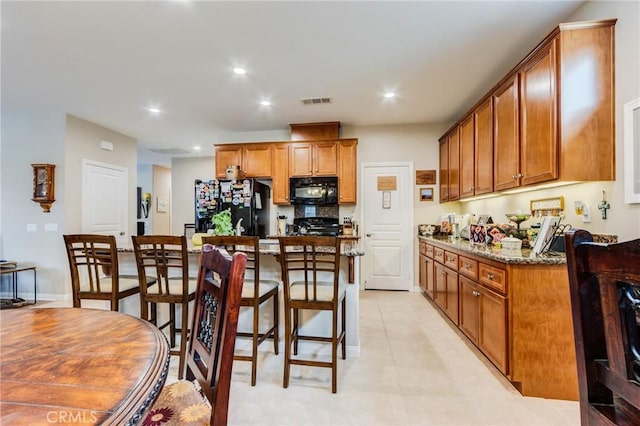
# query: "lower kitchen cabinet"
518,314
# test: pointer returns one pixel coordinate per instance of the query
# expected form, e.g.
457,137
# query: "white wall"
184,172
32,138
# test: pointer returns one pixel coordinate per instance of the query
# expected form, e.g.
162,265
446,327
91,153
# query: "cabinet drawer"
468,267
423,248
493,277
438,255
429,251
451,260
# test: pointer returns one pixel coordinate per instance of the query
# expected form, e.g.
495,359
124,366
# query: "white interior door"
105,200
386,226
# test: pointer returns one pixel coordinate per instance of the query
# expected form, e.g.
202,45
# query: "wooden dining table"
78,366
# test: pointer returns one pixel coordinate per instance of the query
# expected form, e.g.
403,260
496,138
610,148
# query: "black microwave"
313,190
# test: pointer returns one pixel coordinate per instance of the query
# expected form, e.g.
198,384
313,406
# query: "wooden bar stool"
310,274
255,292
166,257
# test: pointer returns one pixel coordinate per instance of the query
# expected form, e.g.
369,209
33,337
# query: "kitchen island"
514,307
270,269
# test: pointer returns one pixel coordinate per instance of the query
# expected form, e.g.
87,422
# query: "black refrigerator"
247,199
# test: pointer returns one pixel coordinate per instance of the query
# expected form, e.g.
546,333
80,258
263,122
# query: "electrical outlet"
586,214
32,227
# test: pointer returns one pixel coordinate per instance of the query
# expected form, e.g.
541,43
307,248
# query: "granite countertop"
524,256
270,246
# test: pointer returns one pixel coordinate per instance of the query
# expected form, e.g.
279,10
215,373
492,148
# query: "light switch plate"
32,227
50,227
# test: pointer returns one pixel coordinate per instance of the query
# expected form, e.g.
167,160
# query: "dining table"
78,366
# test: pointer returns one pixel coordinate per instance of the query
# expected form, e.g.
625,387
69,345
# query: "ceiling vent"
170,151
316,101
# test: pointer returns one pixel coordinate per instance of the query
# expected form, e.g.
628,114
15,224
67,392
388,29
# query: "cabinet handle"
490,275
475,293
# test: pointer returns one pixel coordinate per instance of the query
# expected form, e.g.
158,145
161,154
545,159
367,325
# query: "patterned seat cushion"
180,403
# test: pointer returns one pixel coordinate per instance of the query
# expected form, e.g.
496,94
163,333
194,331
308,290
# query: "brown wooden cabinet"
450,166
425,271
347,171
506,127
483,182
313,159
254,159
444,169
280,173
467,157
517,314
552,116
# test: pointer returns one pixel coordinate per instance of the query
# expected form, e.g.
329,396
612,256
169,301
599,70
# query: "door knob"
368,234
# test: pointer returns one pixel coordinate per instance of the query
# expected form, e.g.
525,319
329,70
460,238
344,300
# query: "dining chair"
203,398
311,280
604,284
166,257
95,275
255,293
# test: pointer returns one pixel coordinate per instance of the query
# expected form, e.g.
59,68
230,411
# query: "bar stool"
93,263
166,257
310,274
266,290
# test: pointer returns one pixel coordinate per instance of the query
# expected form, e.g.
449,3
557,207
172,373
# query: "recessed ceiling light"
196,148
389,95
154,110
265,103
239,71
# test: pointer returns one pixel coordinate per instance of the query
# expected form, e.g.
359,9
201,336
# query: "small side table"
14,270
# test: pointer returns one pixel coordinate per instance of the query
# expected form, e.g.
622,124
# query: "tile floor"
414,369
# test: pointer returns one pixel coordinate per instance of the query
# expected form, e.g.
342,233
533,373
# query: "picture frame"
426,194
631,155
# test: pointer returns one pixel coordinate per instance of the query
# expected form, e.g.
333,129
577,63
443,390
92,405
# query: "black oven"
313,190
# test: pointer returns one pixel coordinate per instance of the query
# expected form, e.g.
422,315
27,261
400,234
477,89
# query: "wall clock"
44,185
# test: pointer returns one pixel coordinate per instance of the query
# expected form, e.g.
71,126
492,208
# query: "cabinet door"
493,340
422,272
506,153
256,160
454,166
538,118
484,148
301,159
444,169
325,159
452,295
430,289
467,157
440,279
469,309
280,173
347,171
226,155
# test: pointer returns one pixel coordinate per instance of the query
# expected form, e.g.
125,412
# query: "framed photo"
426,194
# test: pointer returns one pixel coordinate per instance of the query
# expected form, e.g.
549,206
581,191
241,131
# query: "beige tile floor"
414,369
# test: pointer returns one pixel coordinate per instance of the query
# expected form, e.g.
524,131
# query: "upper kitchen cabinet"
483,167
467,157
280,189
315,131
254,159
552,115
347,171
450,166
313,159
506,133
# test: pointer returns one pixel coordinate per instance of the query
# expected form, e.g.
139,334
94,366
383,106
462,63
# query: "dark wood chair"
311,279
211,346
93,262
166,258
604,282
255,292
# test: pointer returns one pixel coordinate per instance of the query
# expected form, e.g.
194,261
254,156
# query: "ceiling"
106,62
